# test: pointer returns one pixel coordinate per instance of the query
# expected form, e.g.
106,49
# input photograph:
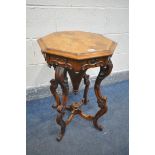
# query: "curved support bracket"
101,100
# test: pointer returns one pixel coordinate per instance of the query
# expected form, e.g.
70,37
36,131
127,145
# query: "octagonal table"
75,52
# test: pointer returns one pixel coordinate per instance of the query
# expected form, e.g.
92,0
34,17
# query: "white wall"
107,17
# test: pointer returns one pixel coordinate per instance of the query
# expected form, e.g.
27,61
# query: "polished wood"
101,100
61,79
74,52
75,65
75,109
76,78
77,45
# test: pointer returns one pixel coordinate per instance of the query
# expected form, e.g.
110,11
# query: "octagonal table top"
77,45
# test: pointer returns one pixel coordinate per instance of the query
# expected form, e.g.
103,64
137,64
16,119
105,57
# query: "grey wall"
107,17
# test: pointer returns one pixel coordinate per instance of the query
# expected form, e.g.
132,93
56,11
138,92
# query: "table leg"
87,83
53,87
61,79
101,100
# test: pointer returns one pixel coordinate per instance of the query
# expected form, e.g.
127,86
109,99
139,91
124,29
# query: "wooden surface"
77,45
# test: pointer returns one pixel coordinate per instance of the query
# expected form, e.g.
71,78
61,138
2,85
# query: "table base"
75,108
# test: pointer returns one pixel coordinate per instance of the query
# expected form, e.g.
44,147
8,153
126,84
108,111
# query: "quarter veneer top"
77,45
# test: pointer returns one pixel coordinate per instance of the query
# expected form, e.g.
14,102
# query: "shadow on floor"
81,138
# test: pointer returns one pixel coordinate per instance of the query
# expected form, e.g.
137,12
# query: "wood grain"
77,44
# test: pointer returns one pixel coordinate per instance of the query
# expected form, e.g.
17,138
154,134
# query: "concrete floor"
81,138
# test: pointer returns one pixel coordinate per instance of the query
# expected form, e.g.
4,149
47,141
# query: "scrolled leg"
53,87
101,100
61,78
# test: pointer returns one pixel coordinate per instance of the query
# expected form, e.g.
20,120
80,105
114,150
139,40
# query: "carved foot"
62,124
103,109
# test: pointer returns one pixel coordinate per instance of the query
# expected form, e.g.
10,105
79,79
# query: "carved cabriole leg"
101,100
53,87
87,83
61,79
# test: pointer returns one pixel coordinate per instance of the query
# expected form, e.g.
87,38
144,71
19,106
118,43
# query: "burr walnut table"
75,52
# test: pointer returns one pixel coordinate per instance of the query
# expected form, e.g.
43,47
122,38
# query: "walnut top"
77,45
